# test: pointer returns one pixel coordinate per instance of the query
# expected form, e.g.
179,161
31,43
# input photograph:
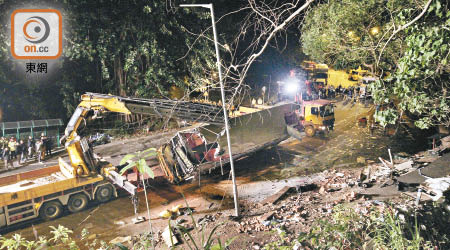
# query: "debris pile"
305,203
425,175
294,209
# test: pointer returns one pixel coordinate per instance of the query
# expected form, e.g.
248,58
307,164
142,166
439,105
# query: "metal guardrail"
22,129
31,124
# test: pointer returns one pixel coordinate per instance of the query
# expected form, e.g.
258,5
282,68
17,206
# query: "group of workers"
352,92
10,149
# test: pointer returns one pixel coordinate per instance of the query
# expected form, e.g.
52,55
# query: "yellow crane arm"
82,162
81,157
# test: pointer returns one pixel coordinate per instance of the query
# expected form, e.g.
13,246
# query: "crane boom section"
83,163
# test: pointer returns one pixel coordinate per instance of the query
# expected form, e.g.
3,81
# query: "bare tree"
264,22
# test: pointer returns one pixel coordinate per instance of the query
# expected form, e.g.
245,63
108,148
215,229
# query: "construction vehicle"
316,116
357,74
321,74
317,73
46,192
311,116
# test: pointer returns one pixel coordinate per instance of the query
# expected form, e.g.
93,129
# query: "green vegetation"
62,239
136,54
349,229
138,161
380,227
386,36
419,85
135,48
348,33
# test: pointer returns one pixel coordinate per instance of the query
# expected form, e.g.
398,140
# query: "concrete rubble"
293,206
407,181
169,237
302,205
425,175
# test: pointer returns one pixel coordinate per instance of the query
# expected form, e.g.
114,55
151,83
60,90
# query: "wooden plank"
277,196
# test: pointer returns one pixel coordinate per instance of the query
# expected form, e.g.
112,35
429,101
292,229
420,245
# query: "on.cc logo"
36,29
36,34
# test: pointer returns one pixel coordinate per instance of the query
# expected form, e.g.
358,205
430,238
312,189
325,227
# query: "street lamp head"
208,6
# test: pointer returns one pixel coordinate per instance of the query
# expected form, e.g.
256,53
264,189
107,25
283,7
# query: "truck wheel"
51,210
104,193
77,202
310,131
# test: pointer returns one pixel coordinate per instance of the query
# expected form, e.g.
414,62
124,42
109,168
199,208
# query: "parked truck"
311,115
322,75
317,73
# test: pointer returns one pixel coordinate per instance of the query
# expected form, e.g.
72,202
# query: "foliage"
380,228
61,238
420,85
341,33
144,243
281,244
135,48
348,33
136,54
138,160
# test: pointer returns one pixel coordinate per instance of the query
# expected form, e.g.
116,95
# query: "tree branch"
404,27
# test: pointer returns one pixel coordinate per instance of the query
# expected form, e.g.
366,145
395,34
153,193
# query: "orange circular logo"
36,29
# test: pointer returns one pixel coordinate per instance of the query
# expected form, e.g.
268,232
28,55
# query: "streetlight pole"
222,91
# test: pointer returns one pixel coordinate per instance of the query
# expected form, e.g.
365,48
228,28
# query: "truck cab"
357,74
316,116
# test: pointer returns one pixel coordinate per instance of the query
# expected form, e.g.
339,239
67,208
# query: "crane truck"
46,192
87,178
311,116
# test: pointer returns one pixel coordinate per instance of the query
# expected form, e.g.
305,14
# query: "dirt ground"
291,163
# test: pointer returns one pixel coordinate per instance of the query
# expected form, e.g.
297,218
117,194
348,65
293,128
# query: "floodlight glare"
291,88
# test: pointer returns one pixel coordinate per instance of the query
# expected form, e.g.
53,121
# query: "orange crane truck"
48,191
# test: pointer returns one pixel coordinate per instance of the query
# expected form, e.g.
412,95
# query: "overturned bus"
200,149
